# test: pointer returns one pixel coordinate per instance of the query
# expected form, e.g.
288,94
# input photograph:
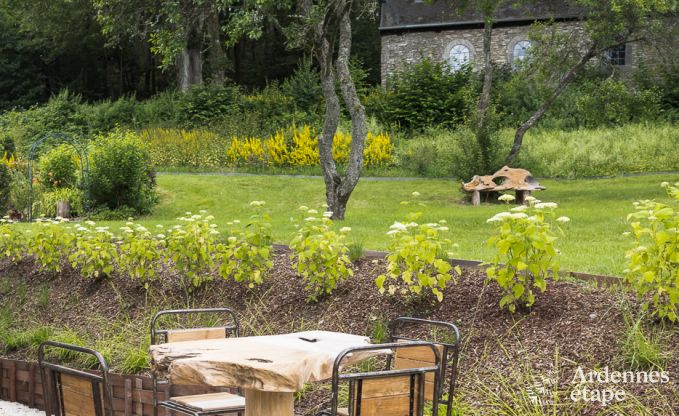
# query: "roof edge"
471,24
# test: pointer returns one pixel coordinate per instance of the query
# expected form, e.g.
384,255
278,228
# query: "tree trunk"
537,115
217,55
330,124
482,129
190,60
356,111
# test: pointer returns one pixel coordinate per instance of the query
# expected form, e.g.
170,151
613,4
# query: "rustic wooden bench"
506,179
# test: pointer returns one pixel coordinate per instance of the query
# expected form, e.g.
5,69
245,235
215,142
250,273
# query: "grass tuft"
642,350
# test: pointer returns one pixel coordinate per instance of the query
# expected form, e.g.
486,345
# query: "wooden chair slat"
77,396
385,396
196,334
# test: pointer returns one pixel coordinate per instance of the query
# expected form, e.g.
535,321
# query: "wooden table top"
276,363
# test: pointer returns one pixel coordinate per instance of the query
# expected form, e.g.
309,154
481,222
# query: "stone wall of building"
411,47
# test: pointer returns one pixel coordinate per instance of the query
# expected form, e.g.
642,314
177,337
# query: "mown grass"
593,241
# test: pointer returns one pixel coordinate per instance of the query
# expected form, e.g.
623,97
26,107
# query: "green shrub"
205,103
5,187
19,193
417,262
192,247
47,205
304,86
426,94
141,253
95,252
121,173
653,268
319,254
446,153
58,168
525,252
12,241
613,103
49,242
246,256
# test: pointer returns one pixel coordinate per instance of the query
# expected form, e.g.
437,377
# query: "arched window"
459,56
520,51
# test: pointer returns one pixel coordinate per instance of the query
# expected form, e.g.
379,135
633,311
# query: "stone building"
414,29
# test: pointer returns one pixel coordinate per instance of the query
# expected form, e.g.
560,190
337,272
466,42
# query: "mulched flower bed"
504,356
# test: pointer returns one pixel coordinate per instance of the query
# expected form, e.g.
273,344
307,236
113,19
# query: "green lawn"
594,241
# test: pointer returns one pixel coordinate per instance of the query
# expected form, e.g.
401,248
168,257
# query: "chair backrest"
448,347
394,392
169,335
74,392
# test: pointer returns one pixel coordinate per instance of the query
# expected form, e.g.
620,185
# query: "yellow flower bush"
246,151
341,145
277,151
304,147
294,147
379,150
185,148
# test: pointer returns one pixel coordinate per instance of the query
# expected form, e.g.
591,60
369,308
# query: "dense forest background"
49,46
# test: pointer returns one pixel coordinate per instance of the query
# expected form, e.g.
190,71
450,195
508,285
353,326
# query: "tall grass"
632,148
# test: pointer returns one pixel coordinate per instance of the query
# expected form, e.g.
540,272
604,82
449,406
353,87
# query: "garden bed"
505,358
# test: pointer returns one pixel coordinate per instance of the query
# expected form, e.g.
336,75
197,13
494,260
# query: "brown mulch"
572,324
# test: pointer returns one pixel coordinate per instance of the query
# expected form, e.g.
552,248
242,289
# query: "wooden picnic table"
268,368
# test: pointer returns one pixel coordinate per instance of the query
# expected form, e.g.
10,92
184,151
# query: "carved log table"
268,368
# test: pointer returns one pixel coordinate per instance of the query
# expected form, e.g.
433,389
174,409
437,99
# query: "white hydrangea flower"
303,208
563,219
519,215
499,217
415,194
312,211
520,208
398,226
327,214
506,198
345,229
546,205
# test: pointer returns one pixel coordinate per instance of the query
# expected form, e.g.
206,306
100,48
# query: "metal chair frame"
231,328
52,378
352,378
451,352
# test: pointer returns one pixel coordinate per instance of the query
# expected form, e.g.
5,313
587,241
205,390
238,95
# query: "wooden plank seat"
198,404
392,392
445,337
211,401
71,391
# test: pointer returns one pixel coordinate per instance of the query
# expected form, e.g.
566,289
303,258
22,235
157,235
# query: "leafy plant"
48,201
57,168
95,252
192,247
653,268
141,252
246,256
413,264
49,241
12,240
121,173
319,253
525,252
